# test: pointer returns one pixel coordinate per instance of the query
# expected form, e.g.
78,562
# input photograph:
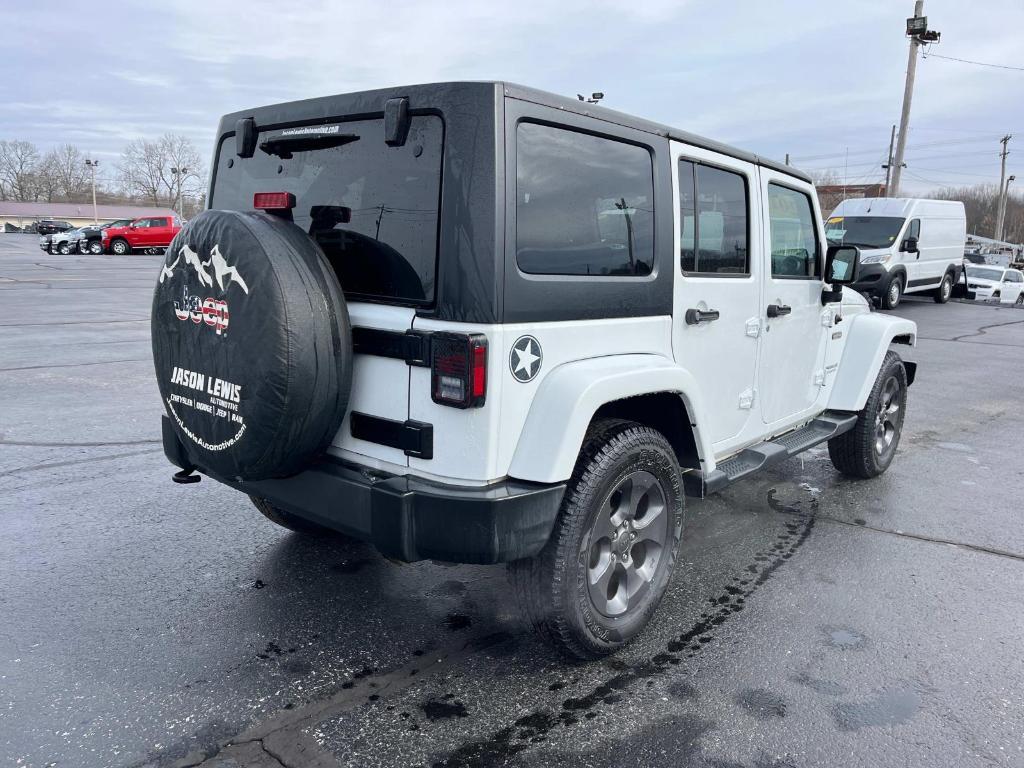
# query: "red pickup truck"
141,234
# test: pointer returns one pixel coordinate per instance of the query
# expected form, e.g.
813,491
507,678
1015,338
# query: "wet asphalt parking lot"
812,620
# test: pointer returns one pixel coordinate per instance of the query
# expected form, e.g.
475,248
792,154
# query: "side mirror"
841,266
909,245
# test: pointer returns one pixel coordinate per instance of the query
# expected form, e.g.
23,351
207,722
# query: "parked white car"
998,284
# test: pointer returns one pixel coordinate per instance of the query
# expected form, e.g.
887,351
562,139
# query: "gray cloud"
799,77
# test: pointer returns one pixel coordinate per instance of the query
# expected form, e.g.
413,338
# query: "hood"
854,303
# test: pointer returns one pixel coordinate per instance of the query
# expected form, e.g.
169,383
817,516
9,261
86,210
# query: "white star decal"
525,358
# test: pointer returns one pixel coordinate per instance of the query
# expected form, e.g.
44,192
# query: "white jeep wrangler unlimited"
479,323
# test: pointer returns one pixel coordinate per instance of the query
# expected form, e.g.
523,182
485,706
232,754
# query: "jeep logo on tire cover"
525,359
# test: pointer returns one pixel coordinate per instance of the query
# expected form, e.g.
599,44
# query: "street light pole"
179,174
92,169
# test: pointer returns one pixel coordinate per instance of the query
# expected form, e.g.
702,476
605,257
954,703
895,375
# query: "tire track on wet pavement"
534,727
283,736
286,738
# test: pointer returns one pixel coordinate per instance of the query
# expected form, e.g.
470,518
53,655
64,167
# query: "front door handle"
698,316
778,310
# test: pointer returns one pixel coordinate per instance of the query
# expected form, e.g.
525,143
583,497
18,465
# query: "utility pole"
919,34
888,165
1001,202
91,164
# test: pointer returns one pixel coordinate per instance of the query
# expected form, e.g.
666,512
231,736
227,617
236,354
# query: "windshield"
373,208
863,231
985,273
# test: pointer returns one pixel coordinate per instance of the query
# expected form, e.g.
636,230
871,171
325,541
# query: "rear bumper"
406,517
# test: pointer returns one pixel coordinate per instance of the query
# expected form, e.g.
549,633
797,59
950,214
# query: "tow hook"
186,476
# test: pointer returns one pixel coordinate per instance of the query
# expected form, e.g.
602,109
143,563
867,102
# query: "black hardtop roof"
425,91
578,107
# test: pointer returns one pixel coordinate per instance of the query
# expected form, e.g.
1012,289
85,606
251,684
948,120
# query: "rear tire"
120,247
868,449
293,522
610,558
945,290
96,248
893,294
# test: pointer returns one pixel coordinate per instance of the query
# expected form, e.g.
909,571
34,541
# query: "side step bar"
770,452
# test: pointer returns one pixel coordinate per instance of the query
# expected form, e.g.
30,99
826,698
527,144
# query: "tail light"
458,369
273,201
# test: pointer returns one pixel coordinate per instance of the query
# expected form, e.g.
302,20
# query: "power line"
968,61
924,145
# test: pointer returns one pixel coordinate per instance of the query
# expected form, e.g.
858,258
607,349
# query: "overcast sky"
817,80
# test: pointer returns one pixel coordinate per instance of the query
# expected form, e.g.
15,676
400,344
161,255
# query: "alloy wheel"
626,544
888,416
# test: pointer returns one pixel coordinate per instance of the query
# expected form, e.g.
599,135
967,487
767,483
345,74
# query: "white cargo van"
906,245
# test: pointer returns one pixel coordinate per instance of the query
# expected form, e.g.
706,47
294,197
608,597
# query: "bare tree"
66,165
46,184
981,203
19,161
145,169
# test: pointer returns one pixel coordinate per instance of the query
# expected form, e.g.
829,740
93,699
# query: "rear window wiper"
284,146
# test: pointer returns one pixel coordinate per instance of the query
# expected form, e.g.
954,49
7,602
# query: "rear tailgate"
372,206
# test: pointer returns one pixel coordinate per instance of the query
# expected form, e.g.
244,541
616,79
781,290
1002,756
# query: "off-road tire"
96,248
293,522
891,297
552,588
857,453
120,247
945,289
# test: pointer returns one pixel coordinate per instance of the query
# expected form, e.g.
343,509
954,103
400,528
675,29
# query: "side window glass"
687,218
721,222
914,230
794,236
713,216
584,204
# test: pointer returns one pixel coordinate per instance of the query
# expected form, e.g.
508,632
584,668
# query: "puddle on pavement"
889,708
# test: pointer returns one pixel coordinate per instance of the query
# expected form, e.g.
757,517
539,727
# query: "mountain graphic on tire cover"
251,344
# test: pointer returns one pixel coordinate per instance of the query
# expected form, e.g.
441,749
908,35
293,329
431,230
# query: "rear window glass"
584,204
373,208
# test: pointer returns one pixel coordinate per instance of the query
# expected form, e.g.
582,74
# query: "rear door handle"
698,316
778,310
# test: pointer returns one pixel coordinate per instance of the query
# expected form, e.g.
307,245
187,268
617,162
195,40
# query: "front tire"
64,249
600,577
868,449
96,248
945,290
893,294
120,247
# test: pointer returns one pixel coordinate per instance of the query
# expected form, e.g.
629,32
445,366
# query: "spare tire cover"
252,345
